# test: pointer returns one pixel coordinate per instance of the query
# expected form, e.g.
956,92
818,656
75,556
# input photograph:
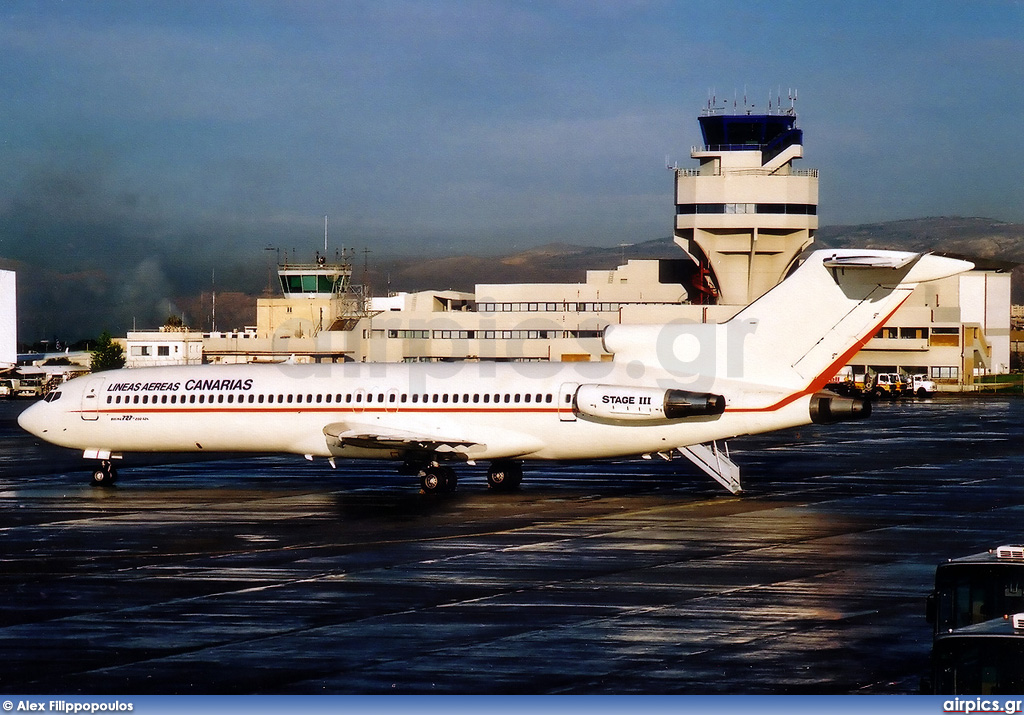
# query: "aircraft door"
91,399
360,398
566,399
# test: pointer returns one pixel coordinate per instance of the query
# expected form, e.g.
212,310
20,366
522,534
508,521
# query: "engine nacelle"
828,408
617,403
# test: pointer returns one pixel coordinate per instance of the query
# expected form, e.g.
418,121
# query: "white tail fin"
800,333
797,335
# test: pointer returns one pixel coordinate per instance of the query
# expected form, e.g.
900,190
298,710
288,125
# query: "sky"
161,138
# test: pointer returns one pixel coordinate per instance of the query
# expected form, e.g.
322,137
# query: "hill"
73,304
979,238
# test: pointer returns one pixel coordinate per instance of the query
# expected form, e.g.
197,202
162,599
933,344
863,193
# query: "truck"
921,386
888,384
30,387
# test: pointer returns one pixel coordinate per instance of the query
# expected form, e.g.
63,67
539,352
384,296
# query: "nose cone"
34,419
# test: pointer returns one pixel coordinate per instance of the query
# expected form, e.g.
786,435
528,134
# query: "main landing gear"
104,475
502,475
438,479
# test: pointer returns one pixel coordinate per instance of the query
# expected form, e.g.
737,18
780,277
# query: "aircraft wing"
375,437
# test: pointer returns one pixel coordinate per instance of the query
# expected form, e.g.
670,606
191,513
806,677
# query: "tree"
108,355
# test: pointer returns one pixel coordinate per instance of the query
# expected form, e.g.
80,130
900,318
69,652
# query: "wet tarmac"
274,575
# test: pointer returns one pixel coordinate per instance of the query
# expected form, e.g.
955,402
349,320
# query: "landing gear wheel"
505,475
438,480
104,475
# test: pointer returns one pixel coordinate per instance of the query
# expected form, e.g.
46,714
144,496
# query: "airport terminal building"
743,217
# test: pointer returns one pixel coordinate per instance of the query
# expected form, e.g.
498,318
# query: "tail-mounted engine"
643,404
828,408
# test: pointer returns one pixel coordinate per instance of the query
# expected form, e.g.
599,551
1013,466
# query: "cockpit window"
53,396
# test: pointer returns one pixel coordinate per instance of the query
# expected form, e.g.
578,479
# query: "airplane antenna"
325,235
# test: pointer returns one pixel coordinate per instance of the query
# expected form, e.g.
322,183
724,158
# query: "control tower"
318,296
745,213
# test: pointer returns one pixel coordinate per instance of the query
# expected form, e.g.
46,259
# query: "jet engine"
828,408
644,404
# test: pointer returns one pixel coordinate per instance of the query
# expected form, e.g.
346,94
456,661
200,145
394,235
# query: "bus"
980,659
977,588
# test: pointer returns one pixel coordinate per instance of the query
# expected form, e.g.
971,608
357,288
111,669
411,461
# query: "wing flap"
373,437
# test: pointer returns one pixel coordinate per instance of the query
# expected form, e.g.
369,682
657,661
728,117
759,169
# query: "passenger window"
434,398
415,397
487,397
516,398
444,397
476,398
403,397
547,398
392,397
508,398
231,398
319,399
220,398
290,398
261,399
526,397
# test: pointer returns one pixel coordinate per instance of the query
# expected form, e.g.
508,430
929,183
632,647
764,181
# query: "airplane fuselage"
517,410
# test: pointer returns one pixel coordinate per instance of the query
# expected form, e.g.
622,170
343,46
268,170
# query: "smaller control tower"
318,296
745,214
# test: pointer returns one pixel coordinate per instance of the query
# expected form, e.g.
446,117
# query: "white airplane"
671,388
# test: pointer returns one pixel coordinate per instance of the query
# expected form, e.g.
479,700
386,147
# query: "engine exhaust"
828,408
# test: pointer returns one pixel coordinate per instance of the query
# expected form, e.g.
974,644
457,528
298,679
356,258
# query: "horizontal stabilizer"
872,260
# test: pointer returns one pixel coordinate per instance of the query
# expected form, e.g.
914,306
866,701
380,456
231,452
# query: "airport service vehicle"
921,386
985,658
30,387
669,389
973,589
6,388
889,384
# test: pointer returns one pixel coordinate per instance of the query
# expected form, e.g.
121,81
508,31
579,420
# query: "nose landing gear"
104,475
505,475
